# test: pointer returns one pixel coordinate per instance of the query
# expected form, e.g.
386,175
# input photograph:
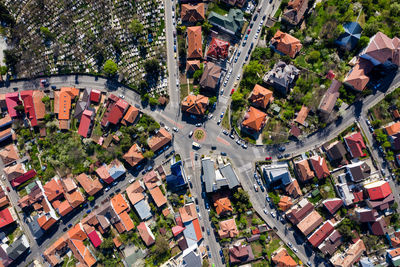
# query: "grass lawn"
272,246
184,91
262,263
257,249
199,134
219,9
225,119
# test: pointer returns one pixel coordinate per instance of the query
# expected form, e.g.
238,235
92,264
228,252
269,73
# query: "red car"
8,189
268,158
248,31
233,90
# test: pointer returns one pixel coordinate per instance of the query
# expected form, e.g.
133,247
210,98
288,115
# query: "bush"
313,56
110,68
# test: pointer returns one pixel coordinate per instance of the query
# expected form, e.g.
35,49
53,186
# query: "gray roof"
79,109
211,76
231,23
36,230
277,173
191,260
18,247
281,75
230,175
143,209
107,215
208,173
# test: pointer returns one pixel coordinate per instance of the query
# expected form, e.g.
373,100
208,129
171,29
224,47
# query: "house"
222,204
283,259
217,179
393,256
82,104
18,247
355,144
192,233
285,203
177,179
293,189
299,211
310,222
27,98
333,205
331,244
191,259
7,216
350,256
366,215
5,121
329,99
381,51
23,178
195,42
392,129
74,198
294,11
218,49
160,139
111,172
281,77
192,66
285,44
240,254
261,97
119,204
94,238
239,3
115,111
135,192
195,104
130,116
303,170
134,155
378,189
12,100
142,209
14,171
66,96
9,155
95,96
231,23
228,229
90,186
321,233
318,164
188,213
53,189
277,175
211,76
254,120
151,180
302,115
192,13
85,123
336,151
379,227
46,221
158,197
352,34
358,171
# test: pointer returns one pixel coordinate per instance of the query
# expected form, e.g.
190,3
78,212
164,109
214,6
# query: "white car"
107,188
265,211
210,116
272,214
226,82
167,128
190,134
131,180
289,244
222,91
295,250
199,215
175,129
256,36
238,77
230,72
255,188
122,96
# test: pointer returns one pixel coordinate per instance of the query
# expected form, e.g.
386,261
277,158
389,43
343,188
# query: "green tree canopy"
152,66
110,68
135,27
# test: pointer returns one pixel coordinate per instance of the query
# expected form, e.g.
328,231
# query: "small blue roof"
352,33
116,170
143,209
190,234
177,177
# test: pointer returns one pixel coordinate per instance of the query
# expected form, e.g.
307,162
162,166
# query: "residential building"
285,203
303,171
392,128
158,197
239,254
285,44
277,175
18,247
176,180
217,179
381,51
12,100
379,227
231,23
261,97
310,222
299,211
159,140
7,216
378,189
151,180
393,256
358,171
355,144
195,42
66,96
82,104
134,155
5,121
293,189
331,244
218,49
192,233
195,104
281,258
350,256
336,151
239,3
191,259
366,215
321,234
222,204
254,120
116,109
192,66
332,205
9,155
228,229
23,178
95,96
85,123
329,99
344,192
352,34
192,13
211,76
130,116
318,164
294,11
302,115
188,213
281,77
91,186
142,209
27,98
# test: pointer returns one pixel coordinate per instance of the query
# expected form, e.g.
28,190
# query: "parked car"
280,156
232,136
219,121
262,188
207,206
167,128
225,132
88,211
223,154
265,211
295,250
122,96
268,199
197,208
282,148
115,183
222,91
175,129
190,134
255,17
196,145
287,155
289,244
8,189
244,146
255,187
107,188
131,180
272,214
268,158
69,225
232,91
198,124
208,231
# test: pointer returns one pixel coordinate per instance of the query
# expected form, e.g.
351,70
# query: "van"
196,145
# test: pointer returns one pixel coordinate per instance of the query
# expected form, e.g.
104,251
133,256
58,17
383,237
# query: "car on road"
258,181
107,188
262,188
238,142
251,25
198,124
295,250
287,155
263,18
225,83
219,121
272,214
249,30
197,208
175,129
213,147
282,220
280,156
190,134
265,211
199,215
244,146
236,59
167,128
115,183
255,187
238,77
208,248
223,154
88,211
222,115
3,177
232,91
246,36
281,148
131,180
371,129
289,244
309,263
383,172
268,199
208,231
222,91
209,255
196,145
225,132
69,225
368,122
255,17
207,206
268,158
256,36
232,136
8,189
221,253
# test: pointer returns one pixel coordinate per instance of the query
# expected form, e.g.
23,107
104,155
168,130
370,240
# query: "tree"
148,154
174,199
11,58
197,75
206,27
47,35
135,27
346,228
237,100
3,70
161,246
19,108
313,56
107,244
206,263
153,101
364,41
152,66
110,68
381,137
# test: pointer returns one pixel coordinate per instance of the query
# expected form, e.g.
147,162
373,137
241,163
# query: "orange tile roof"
50,252
228,229
14,171
146,234
130,115
188,212
56,101
192,13
160,139
53,189
9,154
40,107
64,124
75,198
64,208
261,96
117,241
304,171
393,128
286,44
254,119
197,229
310,222
7,118
285,203
119,204
195,104
67,94
394,253
302,115
135,192
68,184
283,259
158,196
293,189
134,155
357,77
84,252
127,221
195,43
46,222
222,205
351,255
89,185
166,212
192,65
76,232
320,167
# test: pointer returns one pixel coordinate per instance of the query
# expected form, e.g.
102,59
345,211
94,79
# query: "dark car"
88,211
208,231
221,253
255,17
207,205
69,225
223,153
213,147
287,155
280,157
281,148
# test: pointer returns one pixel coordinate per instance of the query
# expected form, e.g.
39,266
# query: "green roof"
233,22
315,193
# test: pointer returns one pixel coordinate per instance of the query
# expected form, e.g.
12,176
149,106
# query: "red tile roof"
222,205
194,40
159,140
261,96
197,229
94,238
228,229
130,115
321,234
75,198
64,208
302,115
117,111
89,185
12,100
40,107
355,144
286,44
192,13
378,190
95,95
304,171
176,230
285,203
86,120
319,166
333,205
45,222
358,196
192,65
283,259
103,173
53,189
27,97
23,178
218,49
195,104
146,234
254,119
5,217
134,155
